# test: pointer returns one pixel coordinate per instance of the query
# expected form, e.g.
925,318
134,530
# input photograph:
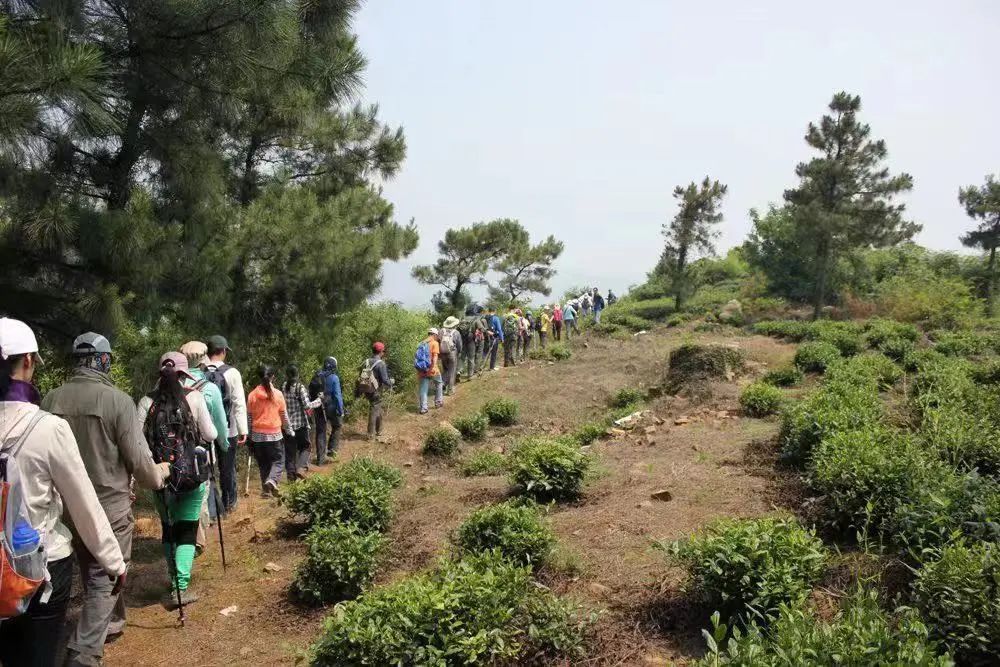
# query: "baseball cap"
218,343
91,343
432,331
195,351
16,337
378,347
178,360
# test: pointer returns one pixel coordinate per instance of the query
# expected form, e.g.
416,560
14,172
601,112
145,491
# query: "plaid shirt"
296,401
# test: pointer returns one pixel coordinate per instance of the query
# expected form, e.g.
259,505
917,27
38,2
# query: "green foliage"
816,356
340,563
861,634
442,441
589,433
897,349
558,351
877,331
692,362
959,597
648,309
961,343
845,336
873,365
501,411
358,493
746,566
477,610
526,269
788,376
928,300
627,396
761,399
513,530
484,463
472,427
548,469
615,315
793,330
982,203
678,319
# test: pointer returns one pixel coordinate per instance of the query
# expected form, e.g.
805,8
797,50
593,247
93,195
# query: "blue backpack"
422,360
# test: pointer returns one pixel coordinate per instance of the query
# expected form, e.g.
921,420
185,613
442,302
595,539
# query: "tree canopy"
982,203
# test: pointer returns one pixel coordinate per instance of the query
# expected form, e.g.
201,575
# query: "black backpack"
217,376
317,385
174,438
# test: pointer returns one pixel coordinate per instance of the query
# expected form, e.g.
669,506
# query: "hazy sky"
578,118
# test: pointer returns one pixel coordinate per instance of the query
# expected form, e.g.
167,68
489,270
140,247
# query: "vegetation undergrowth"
514,530
549,468
501,412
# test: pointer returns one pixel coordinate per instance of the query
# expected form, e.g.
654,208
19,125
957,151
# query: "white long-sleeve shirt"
199,410
53,476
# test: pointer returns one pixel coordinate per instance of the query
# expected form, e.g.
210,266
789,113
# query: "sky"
578,118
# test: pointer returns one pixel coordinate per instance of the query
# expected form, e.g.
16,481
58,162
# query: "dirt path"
713,466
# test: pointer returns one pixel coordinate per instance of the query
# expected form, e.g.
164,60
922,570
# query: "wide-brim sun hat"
451,322
432,331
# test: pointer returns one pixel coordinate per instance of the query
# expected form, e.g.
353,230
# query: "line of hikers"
468,345
86,445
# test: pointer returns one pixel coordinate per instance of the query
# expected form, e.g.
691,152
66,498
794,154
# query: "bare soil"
717,464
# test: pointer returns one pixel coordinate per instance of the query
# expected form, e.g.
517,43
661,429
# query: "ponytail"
169,389
291,377
266,376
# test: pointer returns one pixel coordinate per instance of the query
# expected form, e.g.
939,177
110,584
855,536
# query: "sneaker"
272,488
187,597
423,411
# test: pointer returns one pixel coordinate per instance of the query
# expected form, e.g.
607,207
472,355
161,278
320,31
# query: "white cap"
16,337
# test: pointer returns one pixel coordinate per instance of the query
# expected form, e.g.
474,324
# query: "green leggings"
179,533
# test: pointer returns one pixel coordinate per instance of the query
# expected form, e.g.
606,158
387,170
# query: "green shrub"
626,320
355,494
783,377
677,319
442,441
559,351
588,433
959,596
501,412
627,396
815,356
340,563
692,362
743,566
929,300
860,635
514,530
365,467
472,427
918,358
548,469
477,610
651,309
485,463
845,336
960,343
897,349
761,399
793,330
878,331
878,367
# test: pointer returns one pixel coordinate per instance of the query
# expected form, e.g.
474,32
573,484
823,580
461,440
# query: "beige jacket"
199,410
53,473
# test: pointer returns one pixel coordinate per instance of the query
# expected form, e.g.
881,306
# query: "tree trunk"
249,181
991,280
679,279
120,181
819,293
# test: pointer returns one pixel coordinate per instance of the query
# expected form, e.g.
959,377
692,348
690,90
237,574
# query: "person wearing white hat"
451,348
53,478
114,451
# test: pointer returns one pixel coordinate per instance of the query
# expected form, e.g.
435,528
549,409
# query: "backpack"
466,328
174,438
22,554
510,326
368,383
447,342
422,359
217,376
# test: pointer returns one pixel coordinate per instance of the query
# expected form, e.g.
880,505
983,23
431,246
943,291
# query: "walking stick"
172,558
218,501
246,488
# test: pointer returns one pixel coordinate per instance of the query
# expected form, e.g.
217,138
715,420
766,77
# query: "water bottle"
25,538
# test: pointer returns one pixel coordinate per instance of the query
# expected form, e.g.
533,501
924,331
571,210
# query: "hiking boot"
187,597
271,488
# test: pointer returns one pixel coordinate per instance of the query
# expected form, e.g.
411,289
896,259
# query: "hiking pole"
246,488
172,558
218,500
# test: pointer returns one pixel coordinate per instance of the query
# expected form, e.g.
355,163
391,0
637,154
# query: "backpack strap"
13,449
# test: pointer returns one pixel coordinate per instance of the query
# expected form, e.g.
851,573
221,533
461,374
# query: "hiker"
333,406
114,450
46,475
584,301
471,329
529,331
612,299
372,382
496,335
451,347
196,353
176,419
426,364
543,333
230,382
557,321
316,387
598,301
510,337
268,426
297,403
569,319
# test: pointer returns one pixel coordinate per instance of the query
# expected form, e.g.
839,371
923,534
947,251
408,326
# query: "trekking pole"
246,488
218,501
172,558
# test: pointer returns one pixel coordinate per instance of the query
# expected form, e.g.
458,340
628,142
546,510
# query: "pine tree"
527,269
982,203
844,200
690,231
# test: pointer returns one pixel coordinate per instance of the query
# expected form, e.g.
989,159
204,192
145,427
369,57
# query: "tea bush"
548,469
861,634
485,463
626,320
959,596
472,427
793,330
815,356
559,351
588,433
751,565
845,336
340,563
627,396
513,530
442,441
501,412
897,349
783,377
878,331
477,610
693,362
761,399
878,367
365,467
359,494
651,309
960,343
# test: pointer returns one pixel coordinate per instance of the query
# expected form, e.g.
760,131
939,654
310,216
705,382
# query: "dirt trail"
713,466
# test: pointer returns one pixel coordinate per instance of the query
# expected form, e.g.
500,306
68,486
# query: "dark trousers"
509,346
543,337
335,424
374,415
294,446
270,460
227,475
30,640
557,329
319,437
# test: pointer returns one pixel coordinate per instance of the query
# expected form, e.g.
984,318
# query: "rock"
428,479
640,333
663,495
649,430
632,420
271,568
658,421
229,610
599,589
680,421
408,464
617,433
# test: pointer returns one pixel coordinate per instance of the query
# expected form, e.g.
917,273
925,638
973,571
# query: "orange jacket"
267,414
435,348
